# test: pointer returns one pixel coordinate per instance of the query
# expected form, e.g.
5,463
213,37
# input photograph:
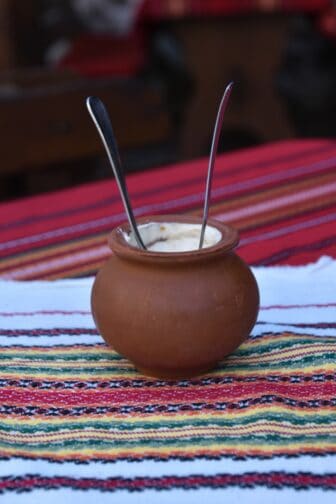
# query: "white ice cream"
174,236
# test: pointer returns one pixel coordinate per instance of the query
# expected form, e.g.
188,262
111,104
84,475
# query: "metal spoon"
218,126
103,124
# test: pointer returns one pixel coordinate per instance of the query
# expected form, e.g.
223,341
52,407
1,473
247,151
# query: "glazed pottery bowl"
174,314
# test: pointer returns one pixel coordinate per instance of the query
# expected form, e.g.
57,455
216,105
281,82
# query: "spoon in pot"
103,124
218,126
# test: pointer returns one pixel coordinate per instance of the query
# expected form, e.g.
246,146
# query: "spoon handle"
103,124
218,126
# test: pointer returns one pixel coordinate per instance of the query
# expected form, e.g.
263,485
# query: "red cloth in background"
327,23
95,55
106,55
177,8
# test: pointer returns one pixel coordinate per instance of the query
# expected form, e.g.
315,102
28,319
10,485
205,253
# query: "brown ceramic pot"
175,315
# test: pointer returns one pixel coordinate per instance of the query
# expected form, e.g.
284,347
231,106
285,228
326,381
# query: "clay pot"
175,315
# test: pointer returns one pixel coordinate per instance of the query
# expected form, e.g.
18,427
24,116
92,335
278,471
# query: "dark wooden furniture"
247,49
44,125
43,118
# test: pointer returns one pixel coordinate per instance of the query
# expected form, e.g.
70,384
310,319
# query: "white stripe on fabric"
258,495
304,463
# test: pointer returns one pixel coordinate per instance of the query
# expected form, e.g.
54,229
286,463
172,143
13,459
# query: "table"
76,419
281,197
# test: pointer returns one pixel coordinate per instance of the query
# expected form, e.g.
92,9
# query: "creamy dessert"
174,236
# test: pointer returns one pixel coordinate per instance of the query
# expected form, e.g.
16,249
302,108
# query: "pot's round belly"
175,322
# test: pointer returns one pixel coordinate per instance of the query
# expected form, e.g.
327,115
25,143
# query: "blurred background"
161,67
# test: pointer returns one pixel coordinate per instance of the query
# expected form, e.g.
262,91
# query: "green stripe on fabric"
254,441
285,417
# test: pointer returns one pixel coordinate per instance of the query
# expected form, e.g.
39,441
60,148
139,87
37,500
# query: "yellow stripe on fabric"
128,419
238,449
78,349
25,375
275,354
256,429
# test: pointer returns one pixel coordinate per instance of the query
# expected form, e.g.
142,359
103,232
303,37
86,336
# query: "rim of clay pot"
116,240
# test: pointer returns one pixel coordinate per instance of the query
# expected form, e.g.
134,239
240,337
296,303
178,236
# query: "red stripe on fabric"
207,394
302,241
300,254
295,306
272,480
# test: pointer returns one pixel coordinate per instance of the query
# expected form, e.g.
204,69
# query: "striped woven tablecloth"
281,197
77,421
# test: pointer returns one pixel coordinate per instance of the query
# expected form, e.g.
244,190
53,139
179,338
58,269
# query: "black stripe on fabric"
55,331
148,383
267,399
181,458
